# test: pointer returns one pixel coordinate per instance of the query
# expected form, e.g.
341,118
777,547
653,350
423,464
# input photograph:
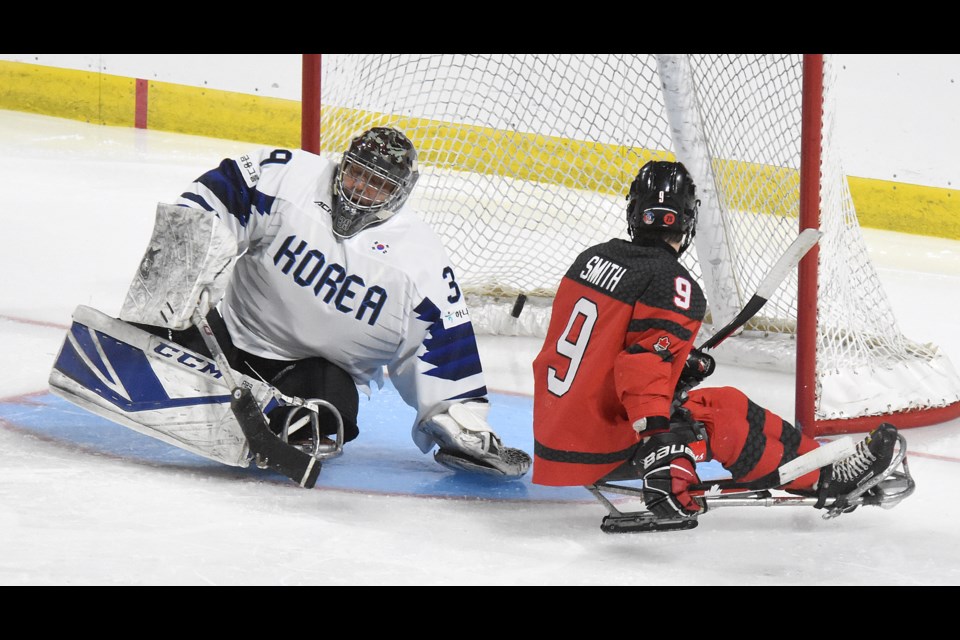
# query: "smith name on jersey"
388,296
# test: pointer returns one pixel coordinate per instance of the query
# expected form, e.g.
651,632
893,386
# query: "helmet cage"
373,181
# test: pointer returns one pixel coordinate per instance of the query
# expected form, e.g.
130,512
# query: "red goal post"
526,159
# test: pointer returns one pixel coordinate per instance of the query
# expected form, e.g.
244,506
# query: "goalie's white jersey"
387,296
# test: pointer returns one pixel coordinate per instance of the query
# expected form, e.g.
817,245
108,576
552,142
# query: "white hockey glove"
467,442
190,252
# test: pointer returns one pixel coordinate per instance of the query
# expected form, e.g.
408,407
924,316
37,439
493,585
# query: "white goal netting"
526,161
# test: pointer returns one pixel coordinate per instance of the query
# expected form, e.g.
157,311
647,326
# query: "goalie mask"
374,179
663,199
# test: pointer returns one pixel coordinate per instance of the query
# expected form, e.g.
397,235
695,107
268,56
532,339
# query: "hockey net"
526,160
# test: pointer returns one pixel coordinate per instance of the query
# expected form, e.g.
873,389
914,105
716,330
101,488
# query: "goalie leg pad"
153,386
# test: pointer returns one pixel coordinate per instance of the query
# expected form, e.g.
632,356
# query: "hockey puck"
518,305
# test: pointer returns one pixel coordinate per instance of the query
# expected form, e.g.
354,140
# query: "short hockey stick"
273,452
822,456
790,258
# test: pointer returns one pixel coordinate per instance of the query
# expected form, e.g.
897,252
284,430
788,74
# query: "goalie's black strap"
283,458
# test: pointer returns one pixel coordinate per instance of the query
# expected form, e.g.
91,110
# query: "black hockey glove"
698,366
668,469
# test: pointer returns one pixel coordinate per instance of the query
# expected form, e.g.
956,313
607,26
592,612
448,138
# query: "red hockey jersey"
623,322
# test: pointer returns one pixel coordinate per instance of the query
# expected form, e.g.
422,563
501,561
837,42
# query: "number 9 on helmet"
663,203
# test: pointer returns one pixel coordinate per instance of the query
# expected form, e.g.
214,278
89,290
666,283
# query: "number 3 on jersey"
573,349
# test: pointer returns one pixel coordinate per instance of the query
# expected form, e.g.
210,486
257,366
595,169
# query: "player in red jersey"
611,397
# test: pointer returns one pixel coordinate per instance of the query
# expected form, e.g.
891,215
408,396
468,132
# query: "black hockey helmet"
376,176
663,198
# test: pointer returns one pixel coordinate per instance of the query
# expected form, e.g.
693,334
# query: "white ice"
76,218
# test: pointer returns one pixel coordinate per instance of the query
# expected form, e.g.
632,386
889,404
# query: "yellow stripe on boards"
907,208
66,93
101,98
223,114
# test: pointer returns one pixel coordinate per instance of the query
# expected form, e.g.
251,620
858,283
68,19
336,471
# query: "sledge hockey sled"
165,391
885,490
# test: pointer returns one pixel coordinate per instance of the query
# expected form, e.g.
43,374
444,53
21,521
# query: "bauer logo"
664,451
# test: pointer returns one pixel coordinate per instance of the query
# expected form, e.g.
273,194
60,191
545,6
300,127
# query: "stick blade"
790,258
820,457
283,458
